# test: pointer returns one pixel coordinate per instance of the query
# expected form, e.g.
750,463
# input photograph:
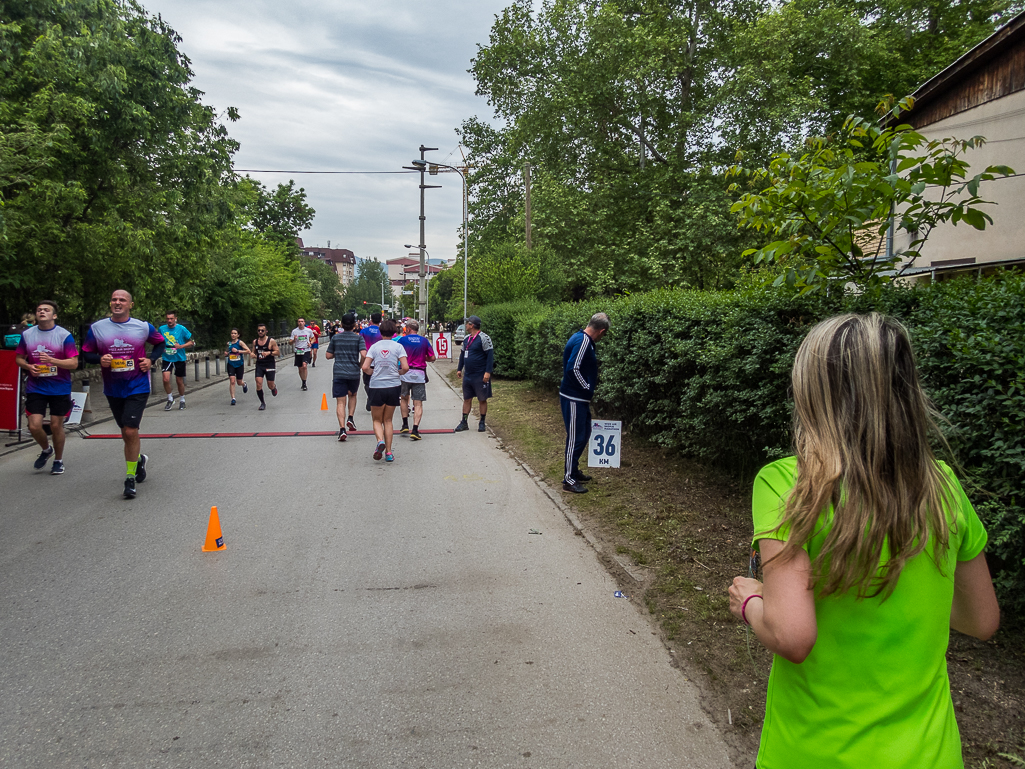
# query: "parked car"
460,334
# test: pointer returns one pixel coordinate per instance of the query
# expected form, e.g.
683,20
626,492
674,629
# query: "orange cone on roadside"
323,403
214,538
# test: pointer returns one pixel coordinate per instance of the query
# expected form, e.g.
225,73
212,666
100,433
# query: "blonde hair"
861,435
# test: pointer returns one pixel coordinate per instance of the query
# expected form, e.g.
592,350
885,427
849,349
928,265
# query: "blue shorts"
342,387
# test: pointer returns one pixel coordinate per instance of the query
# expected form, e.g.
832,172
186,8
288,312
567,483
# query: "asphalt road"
362,615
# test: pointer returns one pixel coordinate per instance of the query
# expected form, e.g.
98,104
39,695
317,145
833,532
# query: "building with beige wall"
980,94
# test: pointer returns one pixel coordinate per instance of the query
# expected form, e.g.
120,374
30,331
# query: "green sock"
131,467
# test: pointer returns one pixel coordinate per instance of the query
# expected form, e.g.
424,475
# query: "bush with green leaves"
707,374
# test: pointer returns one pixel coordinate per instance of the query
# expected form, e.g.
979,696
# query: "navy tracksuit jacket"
579,380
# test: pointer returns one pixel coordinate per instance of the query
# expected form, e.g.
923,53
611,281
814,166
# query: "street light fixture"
423,164
423,287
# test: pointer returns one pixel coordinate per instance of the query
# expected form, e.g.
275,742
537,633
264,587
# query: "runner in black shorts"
266,350
236,364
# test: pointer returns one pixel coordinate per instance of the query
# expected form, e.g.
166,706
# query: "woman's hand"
741,589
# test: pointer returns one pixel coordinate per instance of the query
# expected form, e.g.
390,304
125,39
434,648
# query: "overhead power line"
277,171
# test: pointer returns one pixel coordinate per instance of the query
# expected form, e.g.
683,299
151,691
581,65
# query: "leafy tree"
282,214
509,271
370,276
328,290
830,208
112,171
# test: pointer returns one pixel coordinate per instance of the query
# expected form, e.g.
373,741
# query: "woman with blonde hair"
871,552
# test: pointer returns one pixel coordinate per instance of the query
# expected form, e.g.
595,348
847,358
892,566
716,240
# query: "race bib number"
301,344
234,357
122,365
46,370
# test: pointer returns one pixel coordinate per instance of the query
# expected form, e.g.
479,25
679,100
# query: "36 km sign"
604,449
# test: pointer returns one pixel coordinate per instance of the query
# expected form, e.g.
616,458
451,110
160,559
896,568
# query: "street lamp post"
421,289
421,165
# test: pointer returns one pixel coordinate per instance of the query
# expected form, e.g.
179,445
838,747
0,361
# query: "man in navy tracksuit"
579,380
476,360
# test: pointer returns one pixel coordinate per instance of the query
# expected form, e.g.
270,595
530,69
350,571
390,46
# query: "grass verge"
690,527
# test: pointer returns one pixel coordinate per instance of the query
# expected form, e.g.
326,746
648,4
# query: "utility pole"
526,207
422,310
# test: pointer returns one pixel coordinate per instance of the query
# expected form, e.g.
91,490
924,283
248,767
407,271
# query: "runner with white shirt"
385,363
302,342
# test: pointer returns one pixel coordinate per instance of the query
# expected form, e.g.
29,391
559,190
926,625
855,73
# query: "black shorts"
342,387
36,403
128,411
236,371
384,396
476,388
416,390
177,365
262,371
302,358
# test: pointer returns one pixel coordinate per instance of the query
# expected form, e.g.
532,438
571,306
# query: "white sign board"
605,444
78,403
441,345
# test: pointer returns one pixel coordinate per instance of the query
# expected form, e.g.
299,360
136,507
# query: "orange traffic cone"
214,538
323,403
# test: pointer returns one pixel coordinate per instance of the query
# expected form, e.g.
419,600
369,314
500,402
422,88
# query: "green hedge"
707,374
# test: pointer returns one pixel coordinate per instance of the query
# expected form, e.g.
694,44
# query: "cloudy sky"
345,85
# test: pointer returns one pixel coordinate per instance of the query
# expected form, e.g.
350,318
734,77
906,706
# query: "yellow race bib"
122,365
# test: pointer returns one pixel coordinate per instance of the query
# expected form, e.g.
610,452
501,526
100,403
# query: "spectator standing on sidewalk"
579,381
476,360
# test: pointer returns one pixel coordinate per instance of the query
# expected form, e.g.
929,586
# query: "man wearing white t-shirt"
302,342
385,363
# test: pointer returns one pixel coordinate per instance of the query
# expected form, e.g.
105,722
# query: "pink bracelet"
743,607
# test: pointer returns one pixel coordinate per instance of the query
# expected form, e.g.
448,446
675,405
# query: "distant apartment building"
405,271
341,260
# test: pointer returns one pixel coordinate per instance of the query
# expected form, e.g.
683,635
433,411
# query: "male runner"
302,342
371,334
476,360
118,344
177,339
315,344
347,350
236,364
419,352
266,351
48,353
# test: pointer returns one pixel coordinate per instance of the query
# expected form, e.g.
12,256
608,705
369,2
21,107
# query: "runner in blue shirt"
236,364
177,339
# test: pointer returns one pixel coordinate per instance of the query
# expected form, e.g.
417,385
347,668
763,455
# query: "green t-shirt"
874,691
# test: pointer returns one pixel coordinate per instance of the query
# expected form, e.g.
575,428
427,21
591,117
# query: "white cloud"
344,86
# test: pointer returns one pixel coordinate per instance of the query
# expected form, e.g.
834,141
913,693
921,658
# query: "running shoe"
57,468
350,424
481,427
314,365
245,388
140,469
130,487
576,488
341,436
43,458
263,407
169,405
304,386
404,430
274,391
389,457
181,405
379,451
415,435
232,401
461,427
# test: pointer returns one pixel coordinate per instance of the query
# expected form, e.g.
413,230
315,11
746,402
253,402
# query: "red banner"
10,391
